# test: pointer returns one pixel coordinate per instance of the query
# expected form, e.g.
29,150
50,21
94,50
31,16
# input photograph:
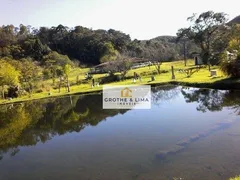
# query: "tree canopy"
208,31
85,45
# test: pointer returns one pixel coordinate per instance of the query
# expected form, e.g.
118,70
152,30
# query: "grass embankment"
198,79
235,178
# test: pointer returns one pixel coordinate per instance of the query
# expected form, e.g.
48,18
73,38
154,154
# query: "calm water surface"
188,133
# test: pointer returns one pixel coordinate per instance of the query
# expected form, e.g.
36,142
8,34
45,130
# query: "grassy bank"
201,79
235,178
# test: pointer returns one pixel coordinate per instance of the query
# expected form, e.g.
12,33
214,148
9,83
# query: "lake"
189,133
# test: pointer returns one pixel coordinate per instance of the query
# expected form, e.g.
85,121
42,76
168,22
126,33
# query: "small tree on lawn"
30,73
122,64
157,65
155,60
9,76
66,70
54,64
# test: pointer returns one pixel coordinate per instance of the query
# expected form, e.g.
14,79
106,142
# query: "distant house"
99,68
197,58
139,62
136,63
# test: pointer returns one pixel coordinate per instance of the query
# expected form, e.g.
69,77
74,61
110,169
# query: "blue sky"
141,19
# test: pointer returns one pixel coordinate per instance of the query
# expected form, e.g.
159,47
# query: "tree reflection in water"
164,93
211,99
28,123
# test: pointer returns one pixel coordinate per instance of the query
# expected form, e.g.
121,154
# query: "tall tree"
181,36
205,31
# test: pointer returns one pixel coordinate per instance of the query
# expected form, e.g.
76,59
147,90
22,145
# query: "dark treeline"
83,44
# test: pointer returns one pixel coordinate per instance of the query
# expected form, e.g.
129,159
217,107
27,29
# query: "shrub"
150,73
46,74
109,79
231,67
164,71
45,87
83,81
39,91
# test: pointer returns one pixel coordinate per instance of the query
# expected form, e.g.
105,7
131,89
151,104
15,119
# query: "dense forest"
87,46
83,45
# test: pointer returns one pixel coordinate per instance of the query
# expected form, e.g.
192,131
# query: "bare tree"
122,64
155,60
181,36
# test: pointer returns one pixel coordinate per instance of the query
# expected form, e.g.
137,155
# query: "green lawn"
200,77
235,178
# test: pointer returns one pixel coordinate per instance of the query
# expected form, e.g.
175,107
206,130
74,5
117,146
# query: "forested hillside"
84,45
167,48
88,46
236,20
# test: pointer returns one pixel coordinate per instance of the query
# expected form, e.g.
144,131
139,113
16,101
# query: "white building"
197,58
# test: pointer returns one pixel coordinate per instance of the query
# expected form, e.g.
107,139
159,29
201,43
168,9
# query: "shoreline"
220,85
